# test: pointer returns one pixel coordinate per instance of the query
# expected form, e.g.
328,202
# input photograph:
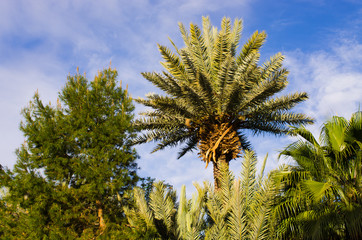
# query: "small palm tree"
216,95
329,179
154,219
160,218
240,209
243,208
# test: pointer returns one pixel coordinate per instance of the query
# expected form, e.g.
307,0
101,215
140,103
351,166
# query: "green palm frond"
319,190
225,77
173,140
271,66
262,212
332,133
278,119
260,92
209,36
154,219
198,50
261,174
190,215
354,128
253,45
248,175
191,144
279,104
304,133
167,83
163,207
211,87
331,188
148,136
143,209
235,36
173,64
140,218
238,219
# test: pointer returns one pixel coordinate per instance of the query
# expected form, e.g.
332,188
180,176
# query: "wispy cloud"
43,40
333,79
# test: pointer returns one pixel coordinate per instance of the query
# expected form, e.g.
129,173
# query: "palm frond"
191,144
279,104
142,206
173,64
261,211
154,135
235,35
190,215
199,51
248,174
253,45
225,78
173,139
263,90
163,207
238,221
167,83
169,105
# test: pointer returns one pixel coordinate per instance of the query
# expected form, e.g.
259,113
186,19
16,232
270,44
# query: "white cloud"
43,40
89,34
333,80
17,87
164,165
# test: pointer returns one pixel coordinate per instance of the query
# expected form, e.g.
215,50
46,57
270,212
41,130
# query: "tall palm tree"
329,175
215,95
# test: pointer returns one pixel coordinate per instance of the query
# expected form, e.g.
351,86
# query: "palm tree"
154,219
215,95
241,209
329,175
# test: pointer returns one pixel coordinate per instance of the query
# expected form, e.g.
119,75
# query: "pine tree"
75,164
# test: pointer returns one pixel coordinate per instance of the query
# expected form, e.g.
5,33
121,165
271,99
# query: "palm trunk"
220,166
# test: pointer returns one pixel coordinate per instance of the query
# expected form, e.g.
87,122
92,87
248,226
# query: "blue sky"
42,41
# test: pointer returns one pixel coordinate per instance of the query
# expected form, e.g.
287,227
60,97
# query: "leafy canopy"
75,164
324,191
215,94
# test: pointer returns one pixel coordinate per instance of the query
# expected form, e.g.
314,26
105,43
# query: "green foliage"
216,96
75,164
243,208
154,219
323,194
240,209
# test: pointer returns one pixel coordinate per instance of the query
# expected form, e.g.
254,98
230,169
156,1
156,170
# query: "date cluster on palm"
217,140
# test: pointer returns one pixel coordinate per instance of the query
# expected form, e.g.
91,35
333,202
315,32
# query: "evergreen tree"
75,164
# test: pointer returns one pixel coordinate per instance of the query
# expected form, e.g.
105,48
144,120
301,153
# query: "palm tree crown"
215,94
329,174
